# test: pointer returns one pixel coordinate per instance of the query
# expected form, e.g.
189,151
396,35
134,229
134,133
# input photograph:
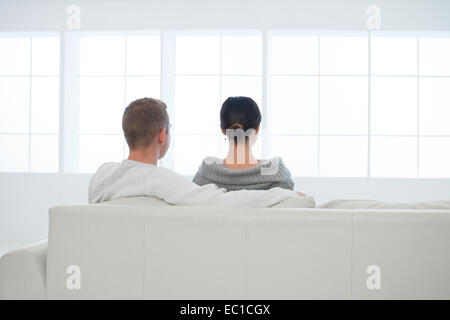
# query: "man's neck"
149,156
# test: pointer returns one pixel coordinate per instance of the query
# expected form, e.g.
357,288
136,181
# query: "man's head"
145,125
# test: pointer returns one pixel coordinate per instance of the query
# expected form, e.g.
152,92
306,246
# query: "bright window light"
45,105
14,153
434,157
343,105
294,105
140,87
98,149
15,56
394,56
434,56
299,153
102,55
343,156
343,55
197,104
29,101
242,86
14,104
143,55
313,92
434,105
241,55
45,60
198,55
115,70
186,160
101,105
393,157
294,55
209,68
394,106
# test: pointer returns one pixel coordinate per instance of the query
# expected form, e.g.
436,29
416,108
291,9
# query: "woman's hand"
301,194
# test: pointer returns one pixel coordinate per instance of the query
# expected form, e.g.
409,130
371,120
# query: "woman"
240,121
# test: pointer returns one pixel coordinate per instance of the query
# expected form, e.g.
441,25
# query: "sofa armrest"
23,272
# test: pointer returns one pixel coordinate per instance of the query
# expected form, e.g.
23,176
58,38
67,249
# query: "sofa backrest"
123,251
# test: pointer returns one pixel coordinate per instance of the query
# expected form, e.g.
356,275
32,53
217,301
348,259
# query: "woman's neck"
240,156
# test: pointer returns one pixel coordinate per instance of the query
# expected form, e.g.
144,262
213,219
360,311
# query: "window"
209,67
434,107
334,104
318,89
357,105
114,70
29,102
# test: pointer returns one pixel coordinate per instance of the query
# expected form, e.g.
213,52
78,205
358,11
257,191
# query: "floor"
8,246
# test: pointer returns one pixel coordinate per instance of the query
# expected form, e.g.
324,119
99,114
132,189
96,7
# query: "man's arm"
175,189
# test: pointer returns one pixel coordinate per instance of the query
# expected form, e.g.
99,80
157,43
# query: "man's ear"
224,132
162,136
257,129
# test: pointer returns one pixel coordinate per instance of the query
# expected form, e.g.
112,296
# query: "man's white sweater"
132,178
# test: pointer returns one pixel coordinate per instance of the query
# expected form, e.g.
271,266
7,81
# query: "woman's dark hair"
240,112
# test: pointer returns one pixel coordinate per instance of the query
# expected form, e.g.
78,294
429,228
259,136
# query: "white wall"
25,198
200,14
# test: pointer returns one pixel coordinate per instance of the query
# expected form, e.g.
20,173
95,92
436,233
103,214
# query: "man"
146,127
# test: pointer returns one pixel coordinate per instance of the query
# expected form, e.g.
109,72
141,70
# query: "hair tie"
237,125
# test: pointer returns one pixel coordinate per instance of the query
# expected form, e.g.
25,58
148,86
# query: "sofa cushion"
374,204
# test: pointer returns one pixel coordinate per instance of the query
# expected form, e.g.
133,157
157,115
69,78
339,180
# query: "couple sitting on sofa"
237,181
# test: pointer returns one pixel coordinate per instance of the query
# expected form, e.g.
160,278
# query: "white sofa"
137,249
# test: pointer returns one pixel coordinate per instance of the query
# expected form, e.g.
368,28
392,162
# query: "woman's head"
240,113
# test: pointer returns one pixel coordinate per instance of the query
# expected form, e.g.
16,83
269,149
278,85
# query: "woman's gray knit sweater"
269,174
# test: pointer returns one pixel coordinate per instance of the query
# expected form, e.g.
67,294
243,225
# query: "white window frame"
69,157
169,160
31,35
69,87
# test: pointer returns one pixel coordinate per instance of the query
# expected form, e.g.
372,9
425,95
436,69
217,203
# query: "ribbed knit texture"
132,178
212,170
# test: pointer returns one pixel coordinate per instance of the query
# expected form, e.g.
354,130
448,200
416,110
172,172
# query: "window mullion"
369,94
168,86
30,104
265,95
62,56
125,78
70,107
318,107
418,106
